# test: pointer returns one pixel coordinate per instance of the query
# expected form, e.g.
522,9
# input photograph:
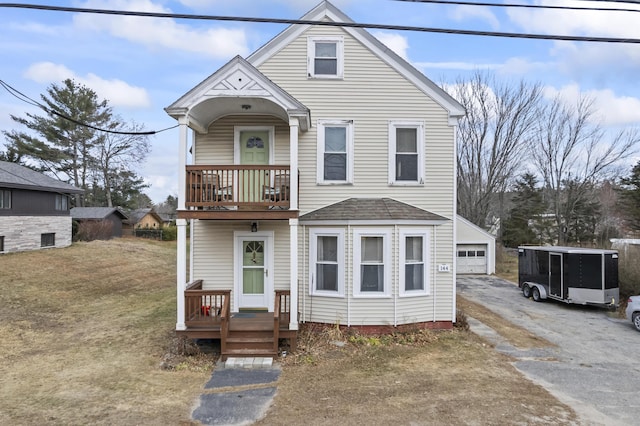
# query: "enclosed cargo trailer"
569,274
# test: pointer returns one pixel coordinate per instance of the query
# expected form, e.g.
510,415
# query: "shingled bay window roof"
374,210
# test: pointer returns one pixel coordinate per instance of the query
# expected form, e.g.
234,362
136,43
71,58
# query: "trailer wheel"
526,290
536,294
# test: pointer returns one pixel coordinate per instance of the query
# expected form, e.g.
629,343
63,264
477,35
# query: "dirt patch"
438,378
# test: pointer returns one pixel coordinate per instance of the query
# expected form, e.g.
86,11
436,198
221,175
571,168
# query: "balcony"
237,192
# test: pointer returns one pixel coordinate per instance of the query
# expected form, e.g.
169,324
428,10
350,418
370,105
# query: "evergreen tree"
528,206
630,196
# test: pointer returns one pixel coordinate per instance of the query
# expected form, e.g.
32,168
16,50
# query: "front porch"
246,333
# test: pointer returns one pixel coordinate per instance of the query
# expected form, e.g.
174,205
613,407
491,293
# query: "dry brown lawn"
86,338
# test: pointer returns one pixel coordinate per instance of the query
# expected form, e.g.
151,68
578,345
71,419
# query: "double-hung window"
414,261
335,151
326,258
5,199
325,56
372,263
406,152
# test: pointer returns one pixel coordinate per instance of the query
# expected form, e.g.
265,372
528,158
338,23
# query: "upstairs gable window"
325,57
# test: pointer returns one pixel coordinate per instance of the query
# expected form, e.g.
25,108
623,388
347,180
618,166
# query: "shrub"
94,230
629,271
169,233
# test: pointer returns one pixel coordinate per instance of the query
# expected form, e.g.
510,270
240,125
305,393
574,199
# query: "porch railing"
281,312
206,307
225,186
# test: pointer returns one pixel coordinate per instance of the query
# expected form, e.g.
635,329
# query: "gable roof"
326,10
136,216
96,213
14,175
378,210
242,86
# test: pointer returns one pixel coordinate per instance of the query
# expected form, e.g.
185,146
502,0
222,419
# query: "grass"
86,337
83,333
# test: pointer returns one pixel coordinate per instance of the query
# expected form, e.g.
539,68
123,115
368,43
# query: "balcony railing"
237,186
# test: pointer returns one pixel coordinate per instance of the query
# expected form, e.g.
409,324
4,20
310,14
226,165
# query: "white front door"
253,265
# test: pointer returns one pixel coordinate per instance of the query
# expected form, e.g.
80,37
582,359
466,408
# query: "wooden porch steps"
250,343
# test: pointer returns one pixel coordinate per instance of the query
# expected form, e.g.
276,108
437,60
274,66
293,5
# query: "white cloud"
214,41
396,42
572,22
610,109
117,92
468,13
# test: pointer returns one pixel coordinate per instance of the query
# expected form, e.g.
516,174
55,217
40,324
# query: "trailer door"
555,274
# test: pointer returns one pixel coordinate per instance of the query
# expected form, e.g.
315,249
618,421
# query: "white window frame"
311,56
426,259
406,124
386,261
313,256
348,125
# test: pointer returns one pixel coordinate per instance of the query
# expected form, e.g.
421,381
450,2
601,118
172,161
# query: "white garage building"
475,248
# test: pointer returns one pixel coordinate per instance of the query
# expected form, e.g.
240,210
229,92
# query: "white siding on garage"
475,249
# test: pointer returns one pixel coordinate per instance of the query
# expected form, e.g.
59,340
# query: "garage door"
472,259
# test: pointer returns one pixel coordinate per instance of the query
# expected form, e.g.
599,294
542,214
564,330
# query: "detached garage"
475,249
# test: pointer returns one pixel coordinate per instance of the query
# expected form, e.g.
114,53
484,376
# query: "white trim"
311,44
426,259
387,261
374,222
313,256
236,140
348,125
293,274
238,237
420,137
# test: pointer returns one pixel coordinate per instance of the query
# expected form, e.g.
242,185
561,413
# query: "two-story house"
321,188
34,209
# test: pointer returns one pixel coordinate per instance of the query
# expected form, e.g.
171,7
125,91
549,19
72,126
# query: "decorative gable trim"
326,10
237,79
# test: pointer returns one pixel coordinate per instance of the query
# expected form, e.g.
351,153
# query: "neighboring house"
112,215
475,248
145,219
34,209
322,189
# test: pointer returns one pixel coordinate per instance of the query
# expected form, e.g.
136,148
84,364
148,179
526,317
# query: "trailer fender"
541,289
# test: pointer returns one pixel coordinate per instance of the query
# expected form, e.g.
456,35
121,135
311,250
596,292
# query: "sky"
142,65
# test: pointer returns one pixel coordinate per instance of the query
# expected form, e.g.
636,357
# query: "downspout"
396,276
349,268
435,248
305,271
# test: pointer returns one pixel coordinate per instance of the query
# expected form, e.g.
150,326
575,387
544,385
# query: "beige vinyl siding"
213,253
371,94
217,146
368,84
392,310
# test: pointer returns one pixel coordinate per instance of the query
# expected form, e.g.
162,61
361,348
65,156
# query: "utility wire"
321,23
528,6
21,96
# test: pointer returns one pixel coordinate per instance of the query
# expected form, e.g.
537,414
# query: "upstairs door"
254,150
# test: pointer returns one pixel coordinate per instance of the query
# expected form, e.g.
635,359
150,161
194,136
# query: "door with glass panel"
252,262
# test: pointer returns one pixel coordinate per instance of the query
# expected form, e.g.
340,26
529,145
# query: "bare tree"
572,154
491,139
120,152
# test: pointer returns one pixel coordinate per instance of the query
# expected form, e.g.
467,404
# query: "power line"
322,23
520,5
24,98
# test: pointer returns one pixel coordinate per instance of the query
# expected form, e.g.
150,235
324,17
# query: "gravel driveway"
595,368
